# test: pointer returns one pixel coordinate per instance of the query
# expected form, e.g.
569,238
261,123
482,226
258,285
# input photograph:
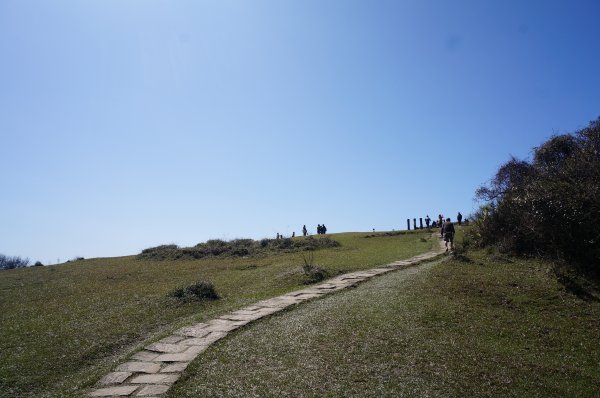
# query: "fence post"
408,223
414,223
420,223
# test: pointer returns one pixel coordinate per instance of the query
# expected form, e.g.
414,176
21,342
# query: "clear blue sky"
127,124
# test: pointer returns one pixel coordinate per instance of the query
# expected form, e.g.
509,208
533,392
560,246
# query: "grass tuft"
313,272
199,291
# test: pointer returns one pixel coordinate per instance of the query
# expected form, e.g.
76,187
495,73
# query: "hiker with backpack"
448,233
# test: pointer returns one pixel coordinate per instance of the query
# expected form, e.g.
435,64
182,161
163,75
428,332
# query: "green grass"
63,327
492,327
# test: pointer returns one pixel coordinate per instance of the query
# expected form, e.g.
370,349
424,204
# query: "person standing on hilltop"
304,231
427,221
459,218
448,233
324,229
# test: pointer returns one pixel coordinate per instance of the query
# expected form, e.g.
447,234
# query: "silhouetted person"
459,218
319,229
427,221
277,235
324,229
304,231
294,234
448,232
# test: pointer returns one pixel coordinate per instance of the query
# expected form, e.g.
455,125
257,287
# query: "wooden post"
421,223
414,223
408,223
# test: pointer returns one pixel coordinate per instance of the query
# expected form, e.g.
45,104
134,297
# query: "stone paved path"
150,372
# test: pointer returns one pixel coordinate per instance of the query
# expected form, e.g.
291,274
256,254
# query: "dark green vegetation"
7,262
236,248
481,325
63,327
389,233
313,272
549,206
201,290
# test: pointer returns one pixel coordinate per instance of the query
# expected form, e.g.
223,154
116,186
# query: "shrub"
313,272
236,248
201,290
7,262
38,264
387,234
550,205
162,252
312,243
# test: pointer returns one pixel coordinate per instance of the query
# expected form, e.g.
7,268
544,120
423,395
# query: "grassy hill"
493,326
63,327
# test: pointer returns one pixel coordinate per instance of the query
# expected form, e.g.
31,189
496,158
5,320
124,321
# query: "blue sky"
127,124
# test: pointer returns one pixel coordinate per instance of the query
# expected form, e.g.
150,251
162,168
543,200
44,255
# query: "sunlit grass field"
493,326
63,327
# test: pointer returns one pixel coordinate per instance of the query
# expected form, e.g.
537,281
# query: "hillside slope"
491,327
63,327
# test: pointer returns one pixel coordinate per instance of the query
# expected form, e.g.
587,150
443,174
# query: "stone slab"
114,378
197,330
352,278
158,378
121,391
223,325
329,289
252,307
308,296
139,367
152,390
173,339
144,356
347,282
242,317
206,340
314,291
296,293
176,367
278,303
167,348
181,357
287,297
196,349
325,287
245,312
242,322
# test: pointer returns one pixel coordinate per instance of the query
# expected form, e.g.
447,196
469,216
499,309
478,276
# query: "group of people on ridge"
321,230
